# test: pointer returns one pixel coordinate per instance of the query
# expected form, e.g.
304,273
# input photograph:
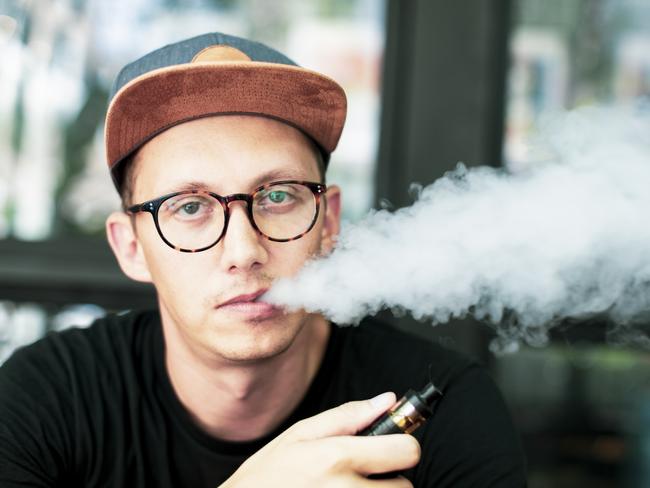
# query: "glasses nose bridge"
239,197
235,197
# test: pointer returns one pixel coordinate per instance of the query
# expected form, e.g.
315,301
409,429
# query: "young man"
219,146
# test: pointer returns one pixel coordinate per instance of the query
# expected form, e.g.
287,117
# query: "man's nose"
242,244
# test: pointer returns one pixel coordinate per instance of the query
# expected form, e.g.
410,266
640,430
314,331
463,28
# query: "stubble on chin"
263,341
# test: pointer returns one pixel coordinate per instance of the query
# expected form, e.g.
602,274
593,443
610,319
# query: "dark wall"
443,91
443,102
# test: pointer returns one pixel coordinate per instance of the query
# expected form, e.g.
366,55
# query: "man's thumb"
346,419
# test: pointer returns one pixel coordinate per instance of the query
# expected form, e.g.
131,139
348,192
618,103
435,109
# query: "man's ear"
332,221
126,247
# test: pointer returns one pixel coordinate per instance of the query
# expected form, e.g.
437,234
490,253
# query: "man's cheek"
179,279
294,260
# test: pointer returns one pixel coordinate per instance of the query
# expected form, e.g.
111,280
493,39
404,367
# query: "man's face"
227,154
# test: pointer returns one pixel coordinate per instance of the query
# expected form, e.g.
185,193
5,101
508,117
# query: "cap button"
218,53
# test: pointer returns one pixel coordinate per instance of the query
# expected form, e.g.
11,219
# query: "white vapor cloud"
568,236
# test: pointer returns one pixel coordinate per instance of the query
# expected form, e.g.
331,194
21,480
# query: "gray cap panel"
184,51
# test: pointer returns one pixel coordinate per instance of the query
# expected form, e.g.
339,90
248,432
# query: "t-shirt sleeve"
33,439
471,441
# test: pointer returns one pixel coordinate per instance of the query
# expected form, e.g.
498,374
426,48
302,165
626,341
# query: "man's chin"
246,353
254,340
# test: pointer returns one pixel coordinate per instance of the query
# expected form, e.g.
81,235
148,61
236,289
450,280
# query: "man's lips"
248,306
247,298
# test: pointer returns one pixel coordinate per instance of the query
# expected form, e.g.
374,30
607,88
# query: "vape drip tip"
411,411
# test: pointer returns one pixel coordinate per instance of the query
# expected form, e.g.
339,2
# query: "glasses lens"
284,211
191,220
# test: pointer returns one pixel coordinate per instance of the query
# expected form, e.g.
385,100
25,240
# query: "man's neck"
239,402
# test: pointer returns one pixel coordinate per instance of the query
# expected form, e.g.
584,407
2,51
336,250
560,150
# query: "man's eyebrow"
267,177
190,185
278,174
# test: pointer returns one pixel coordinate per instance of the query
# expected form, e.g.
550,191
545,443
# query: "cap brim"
165,97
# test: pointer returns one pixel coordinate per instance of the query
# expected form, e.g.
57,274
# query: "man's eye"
187,208
274,197
278,196
190,208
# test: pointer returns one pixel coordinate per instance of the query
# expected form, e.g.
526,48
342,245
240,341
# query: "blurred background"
430,83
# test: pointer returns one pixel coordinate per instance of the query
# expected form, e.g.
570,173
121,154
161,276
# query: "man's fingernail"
384,400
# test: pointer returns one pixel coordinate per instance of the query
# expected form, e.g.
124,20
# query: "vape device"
409,413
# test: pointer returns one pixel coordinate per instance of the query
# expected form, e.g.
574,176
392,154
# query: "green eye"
277,196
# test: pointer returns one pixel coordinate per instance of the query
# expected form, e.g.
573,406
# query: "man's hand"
322,451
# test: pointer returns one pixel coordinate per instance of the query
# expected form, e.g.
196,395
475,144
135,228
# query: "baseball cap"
217,74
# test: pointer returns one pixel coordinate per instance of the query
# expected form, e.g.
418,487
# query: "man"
219,146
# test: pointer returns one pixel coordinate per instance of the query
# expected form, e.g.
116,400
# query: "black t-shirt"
95,407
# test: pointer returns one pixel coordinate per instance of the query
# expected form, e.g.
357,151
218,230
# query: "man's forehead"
216,178
248,183
218,154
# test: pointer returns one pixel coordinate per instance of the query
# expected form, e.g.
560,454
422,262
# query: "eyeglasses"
195,220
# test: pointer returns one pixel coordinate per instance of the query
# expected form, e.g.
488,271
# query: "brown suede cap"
216,74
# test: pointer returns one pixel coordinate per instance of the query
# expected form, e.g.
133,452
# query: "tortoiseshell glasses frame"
153,207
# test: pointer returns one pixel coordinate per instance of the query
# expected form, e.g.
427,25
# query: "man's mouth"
250,305
246,298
